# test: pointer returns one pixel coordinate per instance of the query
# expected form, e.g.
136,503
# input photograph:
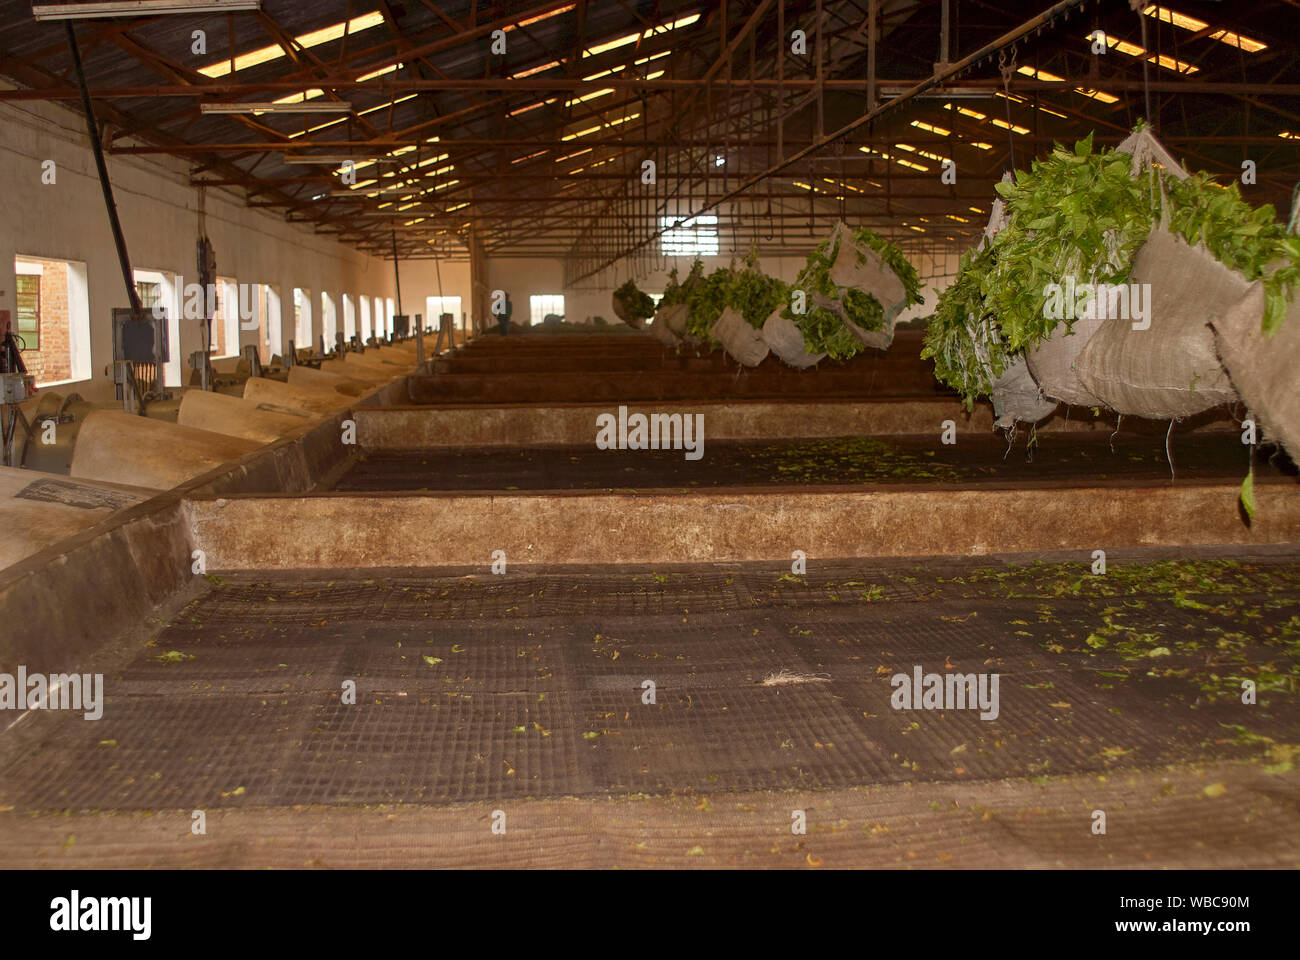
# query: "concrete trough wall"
61,604
413,428
337,531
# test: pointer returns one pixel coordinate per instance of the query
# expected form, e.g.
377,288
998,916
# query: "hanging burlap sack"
1265,370
1170,369
742,342
877,339
623,311
1016,397
1147,150
785,339
670,322
1052,363
859,267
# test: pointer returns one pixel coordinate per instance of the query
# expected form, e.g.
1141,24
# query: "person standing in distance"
504,319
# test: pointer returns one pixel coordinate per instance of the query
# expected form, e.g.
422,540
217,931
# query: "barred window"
29,311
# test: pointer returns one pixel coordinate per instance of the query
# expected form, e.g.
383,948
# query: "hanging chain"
1007,67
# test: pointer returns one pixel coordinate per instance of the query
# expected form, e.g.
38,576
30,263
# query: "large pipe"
128,277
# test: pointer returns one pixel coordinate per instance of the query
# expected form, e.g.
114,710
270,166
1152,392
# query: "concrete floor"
484,700
523,694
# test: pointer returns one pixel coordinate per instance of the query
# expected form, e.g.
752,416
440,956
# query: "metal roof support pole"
92,128
873,35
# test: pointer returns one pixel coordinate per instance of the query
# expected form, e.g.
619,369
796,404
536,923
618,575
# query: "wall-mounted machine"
140,351
17,386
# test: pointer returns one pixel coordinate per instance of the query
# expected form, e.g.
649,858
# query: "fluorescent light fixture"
138,8
258,109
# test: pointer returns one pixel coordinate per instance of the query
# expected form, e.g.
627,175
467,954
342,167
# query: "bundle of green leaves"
1251,241
747,290
638,305
753,293
962,333
1083,214
894,258
676,292
822,327
707,298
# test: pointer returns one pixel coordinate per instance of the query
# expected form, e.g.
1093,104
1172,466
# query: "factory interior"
649,434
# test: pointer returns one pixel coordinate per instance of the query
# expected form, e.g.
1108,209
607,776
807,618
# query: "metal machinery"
16,387
140,351
201,360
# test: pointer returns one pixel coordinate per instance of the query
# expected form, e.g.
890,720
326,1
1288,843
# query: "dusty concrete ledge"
381,427
420,529
413,428
63,603
66,601
1162,818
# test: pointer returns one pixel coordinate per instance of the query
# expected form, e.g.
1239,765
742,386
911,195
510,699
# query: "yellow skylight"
532,70
930,128
602,126
643,35
595,94
1196,26
1008,126
307,40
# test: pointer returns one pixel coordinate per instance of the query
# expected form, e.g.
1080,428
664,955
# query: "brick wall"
53,361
